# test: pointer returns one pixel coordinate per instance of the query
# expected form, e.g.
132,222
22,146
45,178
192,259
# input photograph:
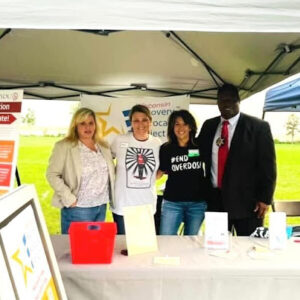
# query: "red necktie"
223,152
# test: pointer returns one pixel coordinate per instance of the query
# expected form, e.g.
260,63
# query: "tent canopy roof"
285,97
157,47
177,15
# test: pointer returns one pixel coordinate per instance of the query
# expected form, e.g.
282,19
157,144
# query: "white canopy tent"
178,15
60,49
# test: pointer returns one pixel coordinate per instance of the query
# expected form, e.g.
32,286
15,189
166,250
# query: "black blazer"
250,171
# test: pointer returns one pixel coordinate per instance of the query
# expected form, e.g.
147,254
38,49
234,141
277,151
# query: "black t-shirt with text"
186,173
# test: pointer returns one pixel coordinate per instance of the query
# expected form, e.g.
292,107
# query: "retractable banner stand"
113,114
10,114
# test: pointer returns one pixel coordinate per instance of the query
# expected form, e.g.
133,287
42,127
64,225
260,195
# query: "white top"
93,190
215,149
137,164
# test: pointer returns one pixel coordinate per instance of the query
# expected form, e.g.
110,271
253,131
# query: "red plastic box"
92,242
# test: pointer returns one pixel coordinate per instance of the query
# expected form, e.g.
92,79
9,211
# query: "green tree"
292,126
29,117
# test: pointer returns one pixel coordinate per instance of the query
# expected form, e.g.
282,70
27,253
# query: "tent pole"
6,31
210,71
292,65
18,177
249,72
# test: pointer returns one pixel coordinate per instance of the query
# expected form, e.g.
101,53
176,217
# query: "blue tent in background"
285,97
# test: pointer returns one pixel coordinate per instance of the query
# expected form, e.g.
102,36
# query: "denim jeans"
120,223
81,214
173,213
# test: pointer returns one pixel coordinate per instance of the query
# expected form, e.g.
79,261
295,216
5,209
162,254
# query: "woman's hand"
73,204
159,174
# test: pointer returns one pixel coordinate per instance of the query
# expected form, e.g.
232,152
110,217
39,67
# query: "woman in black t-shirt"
184,196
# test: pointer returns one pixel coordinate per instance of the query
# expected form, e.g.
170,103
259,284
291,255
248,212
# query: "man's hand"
261,208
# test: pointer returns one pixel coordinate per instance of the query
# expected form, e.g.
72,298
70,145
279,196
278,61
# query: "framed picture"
27,259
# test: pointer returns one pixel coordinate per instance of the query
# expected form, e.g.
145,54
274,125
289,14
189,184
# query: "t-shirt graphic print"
140,166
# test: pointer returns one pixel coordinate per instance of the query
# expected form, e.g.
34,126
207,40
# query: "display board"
10,118
27,260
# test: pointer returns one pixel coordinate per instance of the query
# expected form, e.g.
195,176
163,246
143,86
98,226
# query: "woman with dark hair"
185,193
137,155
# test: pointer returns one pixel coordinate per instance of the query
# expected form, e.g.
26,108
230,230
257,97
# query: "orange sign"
5,173
6,151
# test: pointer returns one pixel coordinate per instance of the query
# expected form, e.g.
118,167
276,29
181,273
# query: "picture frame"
27,258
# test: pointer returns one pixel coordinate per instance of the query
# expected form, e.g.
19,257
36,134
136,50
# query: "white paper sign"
216,230
140,229
277,230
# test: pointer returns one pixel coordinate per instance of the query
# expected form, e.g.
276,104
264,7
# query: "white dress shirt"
215,149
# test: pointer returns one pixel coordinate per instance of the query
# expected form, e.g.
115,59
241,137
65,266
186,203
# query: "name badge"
124,145
193,152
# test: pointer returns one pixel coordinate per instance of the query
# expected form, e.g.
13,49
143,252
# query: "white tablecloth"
201,274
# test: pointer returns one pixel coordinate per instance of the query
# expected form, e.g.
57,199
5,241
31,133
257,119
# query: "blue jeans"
173,213
120,223
81,214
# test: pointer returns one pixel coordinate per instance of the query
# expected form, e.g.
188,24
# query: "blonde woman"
81,172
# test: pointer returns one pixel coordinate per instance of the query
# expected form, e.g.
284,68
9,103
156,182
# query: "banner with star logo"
113,113
29,269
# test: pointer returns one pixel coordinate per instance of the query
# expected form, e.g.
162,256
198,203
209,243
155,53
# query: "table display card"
277,230
216,230
140,230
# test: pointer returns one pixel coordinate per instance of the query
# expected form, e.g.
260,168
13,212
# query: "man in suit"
240,158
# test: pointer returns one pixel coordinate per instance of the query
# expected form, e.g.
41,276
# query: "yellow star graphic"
25,268
104,124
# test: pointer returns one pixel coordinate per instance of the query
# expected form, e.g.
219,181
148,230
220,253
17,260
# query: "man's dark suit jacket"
250,171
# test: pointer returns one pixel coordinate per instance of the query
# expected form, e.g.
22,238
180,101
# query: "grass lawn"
33,159
288,175
288,172
34,154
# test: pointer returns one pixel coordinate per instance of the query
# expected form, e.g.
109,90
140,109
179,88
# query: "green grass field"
288,172
34,154
33,159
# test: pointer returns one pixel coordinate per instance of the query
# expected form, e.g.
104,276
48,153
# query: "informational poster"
113,114
5,282
27,261
26,257
10,113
